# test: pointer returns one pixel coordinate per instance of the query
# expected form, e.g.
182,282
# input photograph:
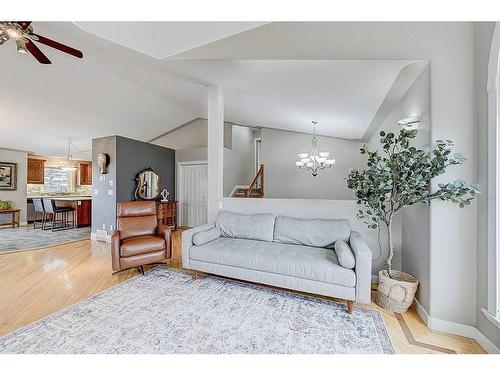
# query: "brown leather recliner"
138,240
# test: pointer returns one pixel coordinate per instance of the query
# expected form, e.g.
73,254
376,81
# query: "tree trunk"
391,248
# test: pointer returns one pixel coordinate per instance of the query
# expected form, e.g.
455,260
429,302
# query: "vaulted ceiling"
127,84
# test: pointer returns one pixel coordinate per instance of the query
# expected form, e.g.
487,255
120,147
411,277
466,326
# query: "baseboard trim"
421,312
93,236
459,329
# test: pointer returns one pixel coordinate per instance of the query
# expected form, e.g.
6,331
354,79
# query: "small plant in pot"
397,177
6,205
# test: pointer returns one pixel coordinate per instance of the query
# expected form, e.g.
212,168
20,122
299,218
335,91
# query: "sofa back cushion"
251,227
311,232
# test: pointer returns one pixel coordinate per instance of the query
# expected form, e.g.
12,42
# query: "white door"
193,198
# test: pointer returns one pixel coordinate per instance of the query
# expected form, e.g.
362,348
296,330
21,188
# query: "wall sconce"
409,123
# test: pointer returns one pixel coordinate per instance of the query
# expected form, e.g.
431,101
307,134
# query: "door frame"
179,188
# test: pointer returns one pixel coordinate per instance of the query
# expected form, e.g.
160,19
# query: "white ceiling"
191,135
163,39
342,95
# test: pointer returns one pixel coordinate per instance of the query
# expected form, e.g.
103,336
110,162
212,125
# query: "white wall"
284,180
449,46
239,160
19,195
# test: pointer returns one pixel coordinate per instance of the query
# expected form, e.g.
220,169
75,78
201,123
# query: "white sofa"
317,256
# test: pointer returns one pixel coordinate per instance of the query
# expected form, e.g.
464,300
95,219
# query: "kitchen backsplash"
36,190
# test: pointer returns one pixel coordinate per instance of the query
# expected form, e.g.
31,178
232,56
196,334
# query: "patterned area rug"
27,238
167,311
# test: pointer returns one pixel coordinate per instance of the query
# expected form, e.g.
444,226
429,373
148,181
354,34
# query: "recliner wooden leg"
196,275
349,306
141,270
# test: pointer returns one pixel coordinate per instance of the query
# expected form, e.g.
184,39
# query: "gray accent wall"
127,158
134,156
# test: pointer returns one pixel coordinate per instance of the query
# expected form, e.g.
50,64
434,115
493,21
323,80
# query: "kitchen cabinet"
85,174
36,171
83,213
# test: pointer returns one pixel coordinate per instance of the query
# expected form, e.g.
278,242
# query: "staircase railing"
257,183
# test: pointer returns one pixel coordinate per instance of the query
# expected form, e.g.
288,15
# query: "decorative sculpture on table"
164,195
103,162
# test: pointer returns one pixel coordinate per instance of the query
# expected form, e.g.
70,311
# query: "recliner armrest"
115,250
166,233
363,267
187,241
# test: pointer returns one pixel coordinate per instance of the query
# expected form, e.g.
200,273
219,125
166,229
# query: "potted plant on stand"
397,177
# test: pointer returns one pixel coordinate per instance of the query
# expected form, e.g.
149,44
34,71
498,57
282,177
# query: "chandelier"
315,160
67,163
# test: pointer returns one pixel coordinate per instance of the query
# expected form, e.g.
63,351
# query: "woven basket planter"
396,294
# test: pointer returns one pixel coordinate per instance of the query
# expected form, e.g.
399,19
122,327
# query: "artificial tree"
400,176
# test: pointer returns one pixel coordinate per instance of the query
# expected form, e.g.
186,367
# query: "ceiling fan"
22,33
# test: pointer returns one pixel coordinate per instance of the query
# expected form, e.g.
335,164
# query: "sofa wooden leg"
196,275
141,270
349,306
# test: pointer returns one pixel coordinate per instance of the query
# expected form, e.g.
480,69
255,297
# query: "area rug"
26,238
167,311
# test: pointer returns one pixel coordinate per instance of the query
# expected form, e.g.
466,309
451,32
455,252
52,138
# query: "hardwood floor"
37,283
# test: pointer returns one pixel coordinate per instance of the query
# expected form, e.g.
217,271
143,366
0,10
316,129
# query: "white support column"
215,150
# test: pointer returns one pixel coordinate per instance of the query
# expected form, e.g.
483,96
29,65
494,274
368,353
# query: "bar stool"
38,205
51,209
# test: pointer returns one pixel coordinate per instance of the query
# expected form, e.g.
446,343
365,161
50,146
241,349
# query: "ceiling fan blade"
24,24
57,45
35,51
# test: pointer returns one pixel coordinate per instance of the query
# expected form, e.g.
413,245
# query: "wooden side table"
16,216
167,213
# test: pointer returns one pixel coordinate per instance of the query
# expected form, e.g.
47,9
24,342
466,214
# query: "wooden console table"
16,214
166,213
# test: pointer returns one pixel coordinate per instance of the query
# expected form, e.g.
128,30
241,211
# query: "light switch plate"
110,182
110,192
96,192
220,205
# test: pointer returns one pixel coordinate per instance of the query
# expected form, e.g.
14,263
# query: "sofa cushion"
253,227
304,262
344,254
311,232
204,237
141,245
